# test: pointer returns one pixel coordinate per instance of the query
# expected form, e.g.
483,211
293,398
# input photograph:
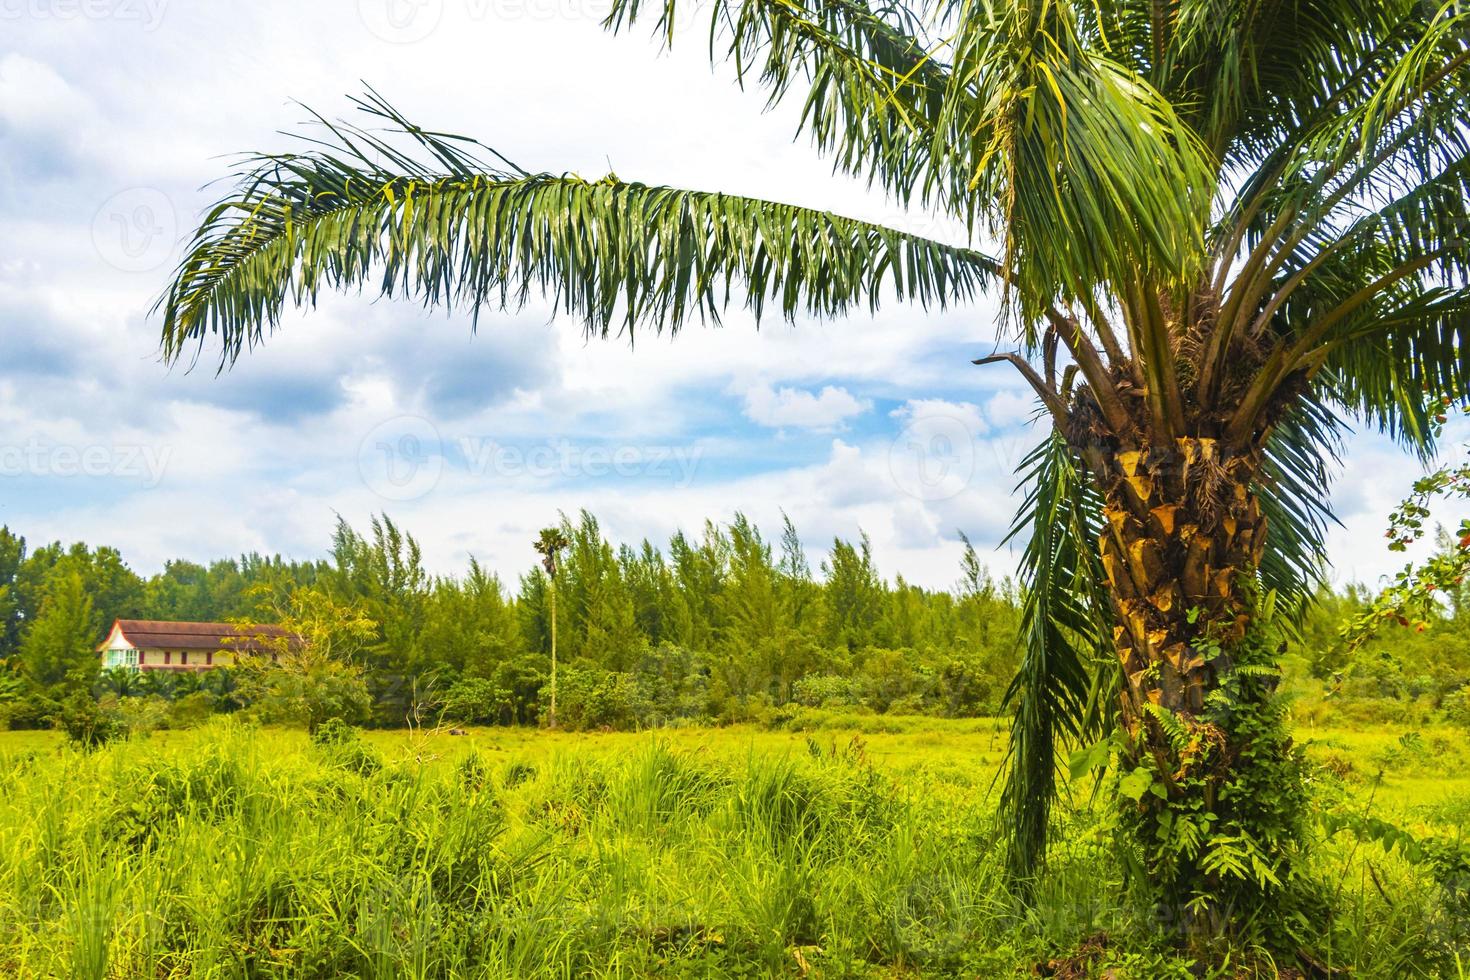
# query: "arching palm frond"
872,85
1395,371
1301,460
1006,120
446,228
1065,690
1358,213
1087,171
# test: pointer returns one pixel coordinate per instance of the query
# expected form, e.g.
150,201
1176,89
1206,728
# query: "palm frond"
434,221
1249,74
1393,366
871,83
1087,171
1066,687
1301,459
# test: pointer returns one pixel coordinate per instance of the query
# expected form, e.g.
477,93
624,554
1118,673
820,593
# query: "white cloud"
966,413
1006,408
778,408
34,97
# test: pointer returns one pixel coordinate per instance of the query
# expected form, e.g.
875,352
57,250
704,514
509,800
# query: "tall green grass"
244,852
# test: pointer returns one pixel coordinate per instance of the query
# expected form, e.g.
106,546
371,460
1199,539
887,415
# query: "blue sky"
115,114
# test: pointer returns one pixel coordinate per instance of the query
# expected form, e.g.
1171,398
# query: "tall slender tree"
552,542
1222,231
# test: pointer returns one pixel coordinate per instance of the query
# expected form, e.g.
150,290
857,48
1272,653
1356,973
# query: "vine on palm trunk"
1211,804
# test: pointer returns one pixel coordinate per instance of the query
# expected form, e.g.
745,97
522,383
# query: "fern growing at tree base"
1212,808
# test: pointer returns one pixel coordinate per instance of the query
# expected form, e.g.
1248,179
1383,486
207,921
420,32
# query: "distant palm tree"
122,681
549,546
1224,230
154,683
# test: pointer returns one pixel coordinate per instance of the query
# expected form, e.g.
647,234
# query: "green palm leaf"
1065,689
443,226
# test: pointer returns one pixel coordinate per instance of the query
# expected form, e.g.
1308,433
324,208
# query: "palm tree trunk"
1183,537
551,719
1184,534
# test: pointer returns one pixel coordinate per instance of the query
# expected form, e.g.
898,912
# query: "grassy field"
862,847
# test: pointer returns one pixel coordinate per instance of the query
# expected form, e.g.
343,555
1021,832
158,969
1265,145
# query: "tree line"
723,625
726,625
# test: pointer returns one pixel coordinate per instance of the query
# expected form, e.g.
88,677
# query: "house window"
184,658
142,658
209,659
167,657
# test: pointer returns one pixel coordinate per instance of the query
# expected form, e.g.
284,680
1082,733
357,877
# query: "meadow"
858,846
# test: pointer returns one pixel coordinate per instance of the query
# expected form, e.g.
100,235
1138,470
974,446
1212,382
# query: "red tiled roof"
153,634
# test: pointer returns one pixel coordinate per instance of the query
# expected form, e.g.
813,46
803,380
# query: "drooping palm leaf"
871,83
1300,463
1065,688
444,227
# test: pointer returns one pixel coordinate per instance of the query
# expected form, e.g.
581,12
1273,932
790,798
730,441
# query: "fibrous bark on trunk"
1182,528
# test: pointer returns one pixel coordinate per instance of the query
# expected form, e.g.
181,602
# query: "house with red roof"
148,644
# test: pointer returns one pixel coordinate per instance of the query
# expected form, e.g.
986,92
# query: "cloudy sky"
115,115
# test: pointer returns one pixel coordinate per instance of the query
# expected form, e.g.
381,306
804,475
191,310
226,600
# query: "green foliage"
310,672
1417,594
461,231
58,649
1060,692
599,699
704,853
340,744
90,723
716,628
1457,707
12,557
473,700
1219,822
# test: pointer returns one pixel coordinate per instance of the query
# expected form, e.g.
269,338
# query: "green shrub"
333,732
28,712
474,701
142,715
827,691
191,710
90,723
342,745
1457,707
589,699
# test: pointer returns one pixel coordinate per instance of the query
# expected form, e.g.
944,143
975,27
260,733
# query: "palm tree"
1223,231
122,681
551,543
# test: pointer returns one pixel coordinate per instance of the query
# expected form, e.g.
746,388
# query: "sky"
118,119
